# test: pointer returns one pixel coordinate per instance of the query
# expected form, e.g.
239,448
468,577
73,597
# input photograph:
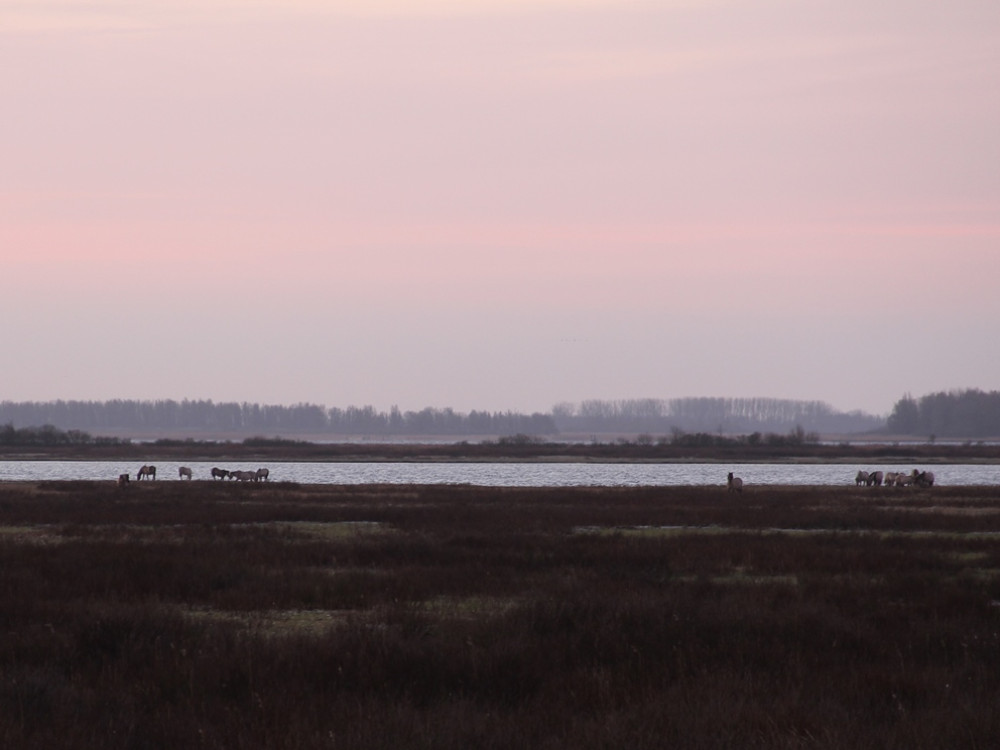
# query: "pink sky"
499,205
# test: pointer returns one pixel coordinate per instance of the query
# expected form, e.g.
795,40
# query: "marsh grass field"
216,615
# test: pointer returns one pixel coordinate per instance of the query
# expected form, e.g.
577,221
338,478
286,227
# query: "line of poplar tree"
729,416
247,418
970,413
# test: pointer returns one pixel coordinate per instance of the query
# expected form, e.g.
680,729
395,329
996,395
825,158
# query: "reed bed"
282,616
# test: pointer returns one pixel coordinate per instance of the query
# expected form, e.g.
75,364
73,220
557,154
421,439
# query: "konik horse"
734,484
146,472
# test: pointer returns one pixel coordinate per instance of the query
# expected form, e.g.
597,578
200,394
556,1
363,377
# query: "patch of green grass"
338,530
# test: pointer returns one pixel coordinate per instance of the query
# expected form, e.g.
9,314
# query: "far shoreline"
278,449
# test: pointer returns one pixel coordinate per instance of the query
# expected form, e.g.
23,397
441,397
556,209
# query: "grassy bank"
281,616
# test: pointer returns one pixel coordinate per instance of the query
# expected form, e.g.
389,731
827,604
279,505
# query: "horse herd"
260,475
915,478
148,471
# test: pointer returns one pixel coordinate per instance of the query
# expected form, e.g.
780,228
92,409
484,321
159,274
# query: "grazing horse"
262,474
184,471
861,478
219,473
123,480
243,476
923,478
875,478
734,484
148,472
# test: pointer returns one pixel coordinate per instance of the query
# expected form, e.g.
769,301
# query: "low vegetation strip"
675,531
797,446
453,617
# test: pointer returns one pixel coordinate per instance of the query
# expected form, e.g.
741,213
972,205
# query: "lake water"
507,474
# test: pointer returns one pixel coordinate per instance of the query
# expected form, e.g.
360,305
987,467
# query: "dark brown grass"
285,616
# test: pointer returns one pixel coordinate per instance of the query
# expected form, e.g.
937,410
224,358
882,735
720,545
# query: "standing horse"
147,472
184,471
734,484
219,473
875,478
262,474
861,478
923,478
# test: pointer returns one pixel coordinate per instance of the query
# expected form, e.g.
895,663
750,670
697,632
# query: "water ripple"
506,474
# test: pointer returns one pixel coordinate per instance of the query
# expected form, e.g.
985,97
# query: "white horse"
261,475
734,484
861,478
146,472
184,471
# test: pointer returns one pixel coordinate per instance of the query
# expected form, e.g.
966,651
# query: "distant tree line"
968,413
963,414
195,417
730,416
710,415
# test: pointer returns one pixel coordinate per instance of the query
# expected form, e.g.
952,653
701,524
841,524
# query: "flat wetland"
277,615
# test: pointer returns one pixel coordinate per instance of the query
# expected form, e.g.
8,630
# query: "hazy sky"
495,204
